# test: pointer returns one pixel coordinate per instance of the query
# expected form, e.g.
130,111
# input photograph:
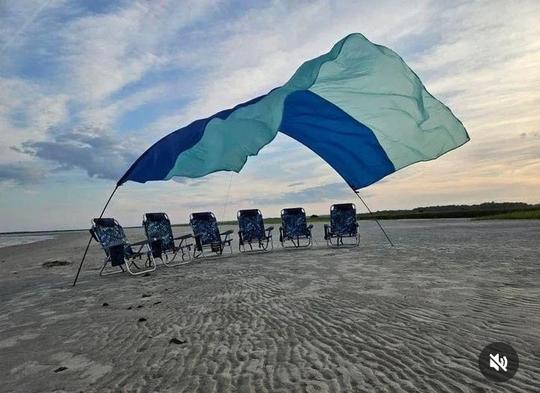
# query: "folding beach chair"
252,231
157,228
207,235
294,228
119,253
343,225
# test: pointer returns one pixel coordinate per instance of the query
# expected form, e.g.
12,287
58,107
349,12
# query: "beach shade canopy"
359,107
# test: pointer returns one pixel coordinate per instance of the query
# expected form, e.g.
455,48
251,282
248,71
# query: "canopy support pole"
90,240
371,213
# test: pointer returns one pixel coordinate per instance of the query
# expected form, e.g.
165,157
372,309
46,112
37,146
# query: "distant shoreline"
483,211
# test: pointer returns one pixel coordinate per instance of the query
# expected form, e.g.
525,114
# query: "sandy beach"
412,318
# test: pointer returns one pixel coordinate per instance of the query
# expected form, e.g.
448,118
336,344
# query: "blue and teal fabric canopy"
359,107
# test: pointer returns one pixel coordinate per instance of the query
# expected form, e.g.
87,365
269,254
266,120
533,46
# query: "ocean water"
16,239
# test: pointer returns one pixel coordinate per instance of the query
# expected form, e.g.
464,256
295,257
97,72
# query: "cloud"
21,172
321,193
263,47
9,39
300,183
27,112
101,154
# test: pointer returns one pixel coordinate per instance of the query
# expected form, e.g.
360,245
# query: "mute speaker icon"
498,362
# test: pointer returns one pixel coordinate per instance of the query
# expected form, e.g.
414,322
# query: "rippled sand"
412,318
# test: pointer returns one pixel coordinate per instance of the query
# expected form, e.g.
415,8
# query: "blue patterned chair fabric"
111,235
294,223
251,225
343,220
204,227
158,226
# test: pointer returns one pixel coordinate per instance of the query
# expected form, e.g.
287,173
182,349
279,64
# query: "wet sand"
412,318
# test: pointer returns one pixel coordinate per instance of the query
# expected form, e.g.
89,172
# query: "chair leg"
105,263
151,265
186,253
340,242
297,244
263,245
182,253
197,253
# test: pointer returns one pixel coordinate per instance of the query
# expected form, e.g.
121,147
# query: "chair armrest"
326,231
141,243
183,237
115,245
226,233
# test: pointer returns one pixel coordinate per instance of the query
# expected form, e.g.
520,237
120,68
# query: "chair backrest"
251,223
110,233
343,219
204,225
294,222
158,226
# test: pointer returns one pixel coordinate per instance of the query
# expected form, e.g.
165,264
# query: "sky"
87,86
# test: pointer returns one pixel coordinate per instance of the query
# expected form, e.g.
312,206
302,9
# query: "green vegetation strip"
515,215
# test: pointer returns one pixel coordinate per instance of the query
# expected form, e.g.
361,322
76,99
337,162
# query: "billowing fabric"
294,223
359,107
251,225
343,220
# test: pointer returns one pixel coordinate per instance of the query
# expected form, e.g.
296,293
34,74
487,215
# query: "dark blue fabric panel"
156,162
347,145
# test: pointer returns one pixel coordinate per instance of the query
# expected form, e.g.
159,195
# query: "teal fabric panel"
156,162
227,143
374,86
